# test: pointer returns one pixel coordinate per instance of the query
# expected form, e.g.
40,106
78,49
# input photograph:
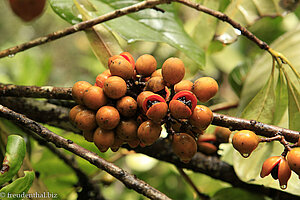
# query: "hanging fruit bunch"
131,101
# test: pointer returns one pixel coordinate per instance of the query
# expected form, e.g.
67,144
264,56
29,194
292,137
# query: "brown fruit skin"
78,90
155,84
245,142
157,73
222,134
115,87
127,106
205,88
157,112
134,143
102,77
127,130
183,85
205,145
107,117
173,70
122,68
201,117
112,59
27,10
145,65
94,98
129,58
74,111
148,132
184,146
85,120
293,158
103,139
179,110
89,135
117,144
283,171
142,96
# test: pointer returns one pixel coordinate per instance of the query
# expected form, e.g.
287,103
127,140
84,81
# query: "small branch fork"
129,180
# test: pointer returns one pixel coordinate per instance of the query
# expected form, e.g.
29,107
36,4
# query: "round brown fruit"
155,84
122,68
202,117
117,144
184,146
127,130
149,132
107,117
89,135
112,58
183,85
142,96
102,77
115,87
134,143
94,98
205,88
245,142
85,120
206,144
78,90
156,73
145,65
74,111
127,106
27,10
129,58
103,139
173,70
293,159
222,134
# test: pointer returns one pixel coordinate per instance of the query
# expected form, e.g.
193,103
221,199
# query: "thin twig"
82,26
191,183
263,45
128,179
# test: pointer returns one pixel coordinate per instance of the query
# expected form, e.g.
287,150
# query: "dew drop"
245,155
11,55
283,187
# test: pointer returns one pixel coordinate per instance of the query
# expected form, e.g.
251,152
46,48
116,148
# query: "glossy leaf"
281,99
262,106
102,41
19,186
14,156
246,12
289,45
66,10
294,105
237,77
146,25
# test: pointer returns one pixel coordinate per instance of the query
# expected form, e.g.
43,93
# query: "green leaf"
294,105
289,45
262,106
236,194
237,77
66,10
146,25
103,42
20,186
281,99
246,12
14,156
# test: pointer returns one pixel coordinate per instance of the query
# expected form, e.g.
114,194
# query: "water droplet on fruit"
245,155
283,187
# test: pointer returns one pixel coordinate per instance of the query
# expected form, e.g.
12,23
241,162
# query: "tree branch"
82,26
218,119
263,45
128,180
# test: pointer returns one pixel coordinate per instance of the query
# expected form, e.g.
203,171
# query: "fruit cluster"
280,167
131,101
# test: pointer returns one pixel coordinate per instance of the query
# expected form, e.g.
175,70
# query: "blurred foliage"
241,65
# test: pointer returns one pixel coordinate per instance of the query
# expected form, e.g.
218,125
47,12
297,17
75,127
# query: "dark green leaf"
20,186
236,194
294,105
262,106
14,156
